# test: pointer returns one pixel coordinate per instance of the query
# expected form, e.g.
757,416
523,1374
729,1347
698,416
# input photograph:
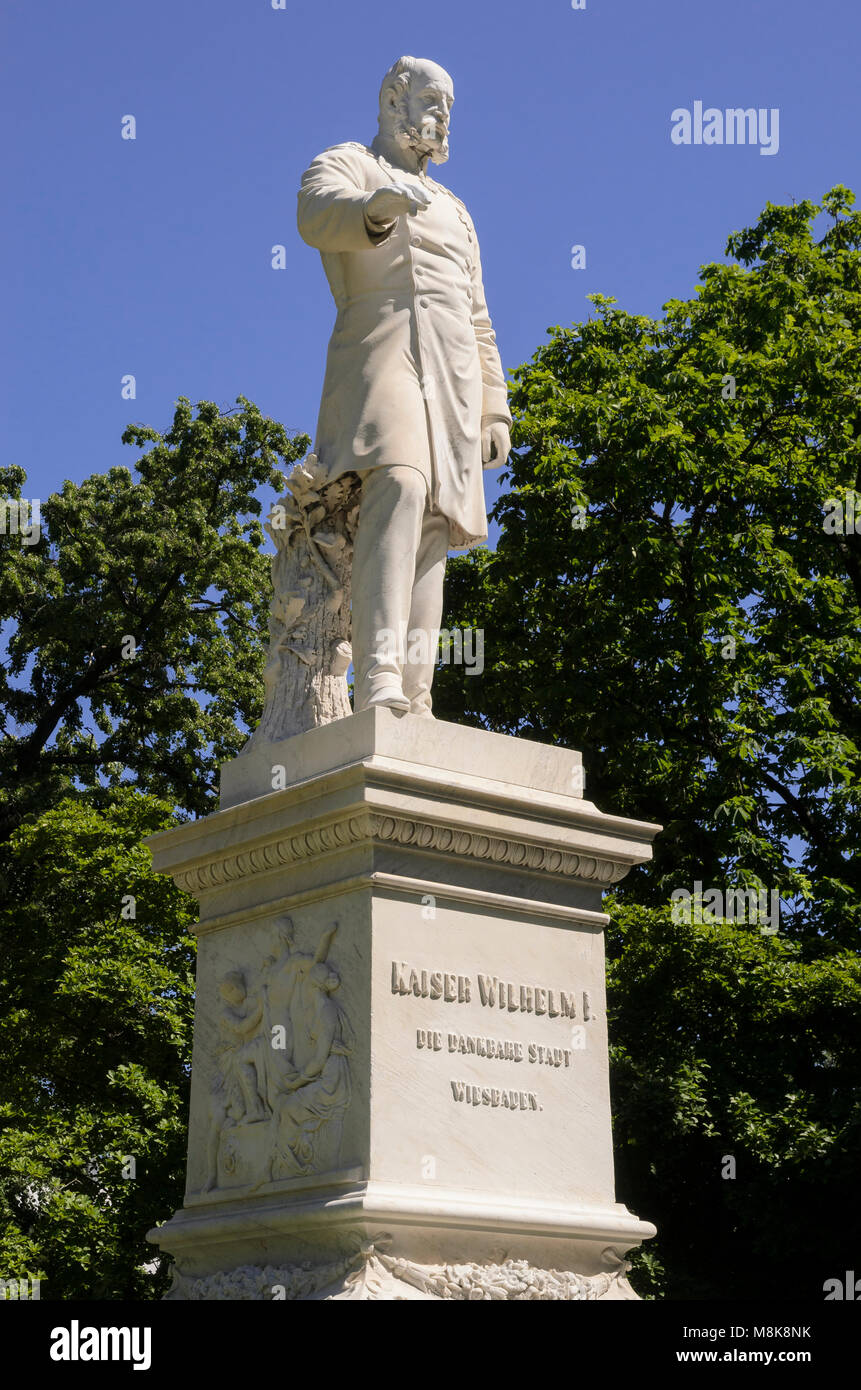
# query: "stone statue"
414,399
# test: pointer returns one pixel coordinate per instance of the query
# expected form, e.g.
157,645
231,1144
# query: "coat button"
424,303
415,241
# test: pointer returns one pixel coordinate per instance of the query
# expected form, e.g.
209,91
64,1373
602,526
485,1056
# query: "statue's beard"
428,143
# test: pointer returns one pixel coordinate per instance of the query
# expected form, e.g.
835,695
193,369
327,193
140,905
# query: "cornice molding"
371,827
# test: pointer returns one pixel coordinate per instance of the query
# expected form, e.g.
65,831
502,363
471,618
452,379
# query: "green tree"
736,1105
672,594
137,622
97,982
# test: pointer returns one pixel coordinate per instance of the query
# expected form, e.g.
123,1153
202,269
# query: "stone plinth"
400,1076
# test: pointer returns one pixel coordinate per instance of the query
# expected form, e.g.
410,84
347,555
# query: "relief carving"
311,1087
282,1080
368,1273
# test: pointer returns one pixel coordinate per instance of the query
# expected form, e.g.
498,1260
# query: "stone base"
402,1090
343,1238
371,1273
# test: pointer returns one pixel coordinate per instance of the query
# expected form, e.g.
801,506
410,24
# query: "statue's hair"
398,76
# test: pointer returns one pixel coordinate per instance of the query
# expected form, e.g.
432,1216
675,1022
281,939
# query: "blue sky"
152,256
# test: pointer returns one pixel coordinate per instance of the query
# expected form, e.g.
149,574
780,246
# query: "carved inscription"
491,992
484,1095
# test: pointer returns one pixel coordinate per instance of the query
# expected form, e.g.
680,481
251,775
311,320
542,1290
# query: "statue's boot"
391,697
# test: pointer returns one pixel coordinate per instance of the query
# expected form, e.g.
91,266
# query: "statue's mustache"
432,139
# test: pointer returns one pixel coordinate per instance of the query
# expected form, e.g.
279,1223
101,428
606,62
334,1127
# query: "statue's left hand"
495,444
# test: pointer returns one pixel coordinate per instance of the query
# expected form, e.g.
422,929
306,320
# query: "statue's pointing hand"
390,202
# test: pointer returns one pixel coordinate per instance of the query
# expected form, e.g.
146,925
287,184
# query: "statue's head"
232,987
415,106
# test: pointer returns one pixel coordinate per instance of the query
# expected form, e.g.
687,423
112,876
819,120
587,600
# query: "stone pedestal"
400,1077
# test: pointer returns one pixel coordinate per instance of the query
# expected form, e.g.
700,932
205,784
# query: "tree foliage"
97,981
735,1069
135,651
665,595
672,593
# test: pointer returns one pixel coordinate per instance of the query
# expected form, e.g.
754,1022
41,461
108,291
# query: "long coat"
413,367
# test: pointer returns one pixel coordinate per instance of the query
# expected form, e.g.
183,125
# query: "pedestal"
400,1075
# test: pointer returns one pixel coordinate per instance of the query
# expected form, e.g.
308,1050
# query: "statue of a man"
414,399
